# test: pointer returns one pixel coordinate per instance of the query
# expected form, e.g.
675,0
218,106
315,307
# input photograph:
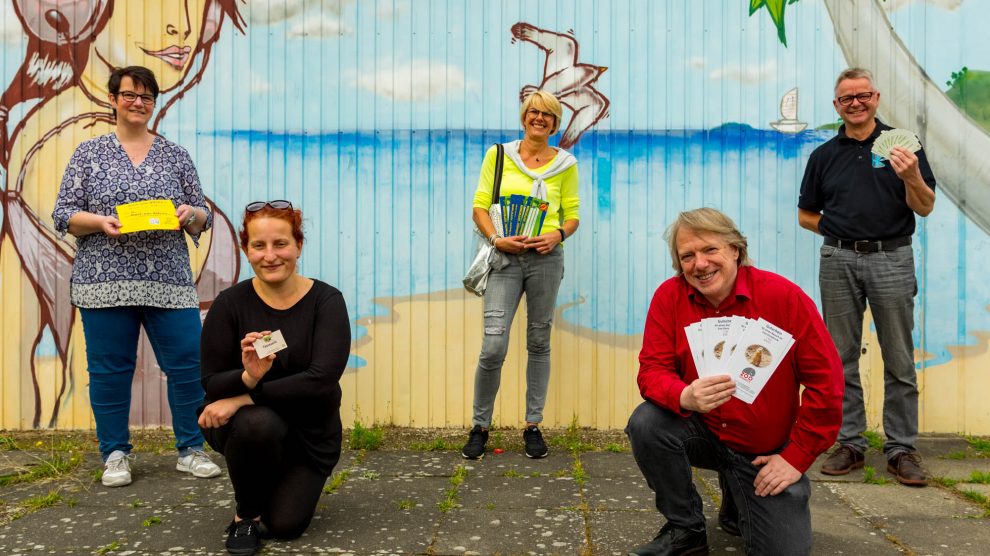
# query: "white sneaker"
199,464
117,469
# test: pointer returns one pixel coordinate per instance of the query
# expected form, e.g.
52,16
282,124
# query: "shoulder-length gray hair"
707,220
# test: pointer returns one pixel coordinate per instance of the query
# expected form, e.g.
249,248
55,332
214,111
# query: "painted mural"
374,116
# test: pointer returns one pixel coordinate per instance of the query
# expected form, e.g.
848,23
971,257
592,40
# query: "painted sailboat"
788,122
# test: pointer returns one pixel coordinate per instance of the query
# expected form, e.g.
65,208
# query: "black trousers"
270,476
667,445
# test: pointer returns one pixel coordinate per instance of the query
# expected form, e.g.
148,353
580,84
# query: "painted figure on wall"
59,98
567,79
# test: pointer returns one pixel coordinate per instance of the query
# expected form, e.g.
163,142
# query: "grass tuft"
981,477
107,548
52,465
981,445
870,476
437,445
153,520
450,496
335,482
364,438
874,440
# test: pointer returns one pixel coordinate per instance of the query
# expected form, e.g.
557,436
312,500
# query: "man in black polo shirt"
865,207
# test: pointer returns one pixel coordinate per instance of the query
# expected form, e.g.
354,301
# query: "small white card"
760,350
269,344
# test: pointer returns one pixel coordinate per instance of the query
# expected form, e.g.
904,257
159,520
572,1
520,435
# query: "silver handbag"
485,261
487,258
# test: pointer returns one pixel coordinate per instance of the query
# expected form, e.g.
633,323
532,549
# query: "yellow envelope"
156,214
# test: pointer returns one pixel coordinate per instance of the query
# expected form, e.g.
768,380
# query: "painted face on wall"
160,35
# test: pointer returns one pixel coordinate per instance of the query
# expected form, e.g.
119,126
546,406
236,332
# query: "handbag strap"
499,162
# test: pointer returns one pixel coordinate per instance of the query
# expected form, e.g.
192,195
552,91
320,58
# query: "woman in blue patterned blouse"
123,281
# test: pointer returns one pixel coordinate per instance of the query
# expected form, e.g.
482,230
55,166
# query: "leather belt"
868,246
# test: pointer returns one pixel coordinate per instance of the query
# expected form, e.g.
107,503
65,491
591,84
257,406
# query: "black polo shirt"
858,201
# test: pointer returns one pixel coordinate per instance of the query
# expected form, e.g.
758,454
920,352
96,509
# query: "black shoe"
243,538
475,447
672,541
728,513
535,446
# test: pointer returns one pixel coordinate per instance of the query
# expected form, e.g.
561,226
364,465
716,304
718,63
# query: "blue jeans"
886,281
539,277
667,445
111,352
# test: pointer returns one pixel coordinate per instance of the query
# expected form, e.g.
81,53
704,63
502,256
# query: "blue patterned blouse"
142,268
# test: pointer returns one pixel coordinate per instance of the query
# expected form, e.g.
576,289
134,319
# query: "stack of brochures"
747,350
522,215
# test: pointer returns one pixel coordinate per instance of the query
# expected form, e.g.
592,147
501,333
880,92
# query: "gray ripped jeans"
539,277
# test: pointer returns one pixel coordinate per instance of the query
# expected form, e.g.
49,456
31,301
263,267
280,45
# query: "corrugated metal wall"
374,117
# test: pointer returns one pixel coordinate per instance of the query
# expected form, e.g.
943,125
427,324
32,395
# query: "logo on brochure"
747,374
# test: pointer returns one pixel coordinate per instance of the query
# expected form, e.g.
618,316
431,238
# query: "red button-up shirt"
807,422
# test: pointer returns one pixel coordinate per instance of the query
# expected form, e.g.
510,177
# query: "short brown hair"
293,216
707,220
853,73
544,102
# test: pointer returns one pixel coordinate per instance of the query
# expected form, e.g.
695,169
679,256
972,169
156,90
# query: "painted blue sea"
388,214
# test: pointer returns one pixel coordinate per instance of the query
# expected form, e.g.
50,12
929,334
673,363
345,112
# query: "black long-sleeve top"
303,385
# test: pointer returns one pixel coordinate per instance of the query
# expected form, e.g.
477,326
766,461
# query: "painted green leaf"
776,10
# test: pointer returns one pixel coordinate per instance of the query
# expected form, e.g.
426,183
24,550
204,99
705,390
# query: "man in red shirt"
760,449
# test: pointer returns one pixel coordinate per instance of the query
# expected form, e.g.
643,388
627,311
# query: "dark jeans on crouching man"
667,445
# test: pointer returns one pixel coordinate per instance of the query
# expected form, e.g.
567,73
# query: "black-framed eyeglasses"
131,96
863,98
280,204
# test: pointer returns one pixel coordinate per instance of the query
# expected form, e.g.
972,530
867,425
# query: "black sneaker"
243,538
535,446
475,447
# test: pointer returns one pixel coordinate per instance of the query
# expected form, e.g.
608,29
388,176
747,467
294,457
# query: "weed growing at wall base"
364,438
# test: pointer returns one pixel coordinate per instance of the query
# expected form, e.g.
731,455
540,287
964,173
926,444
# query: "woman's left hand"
544,243
184,213
218,413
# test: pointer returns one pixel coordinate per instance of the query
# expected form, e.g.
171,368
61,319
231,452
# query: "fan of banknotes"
895,138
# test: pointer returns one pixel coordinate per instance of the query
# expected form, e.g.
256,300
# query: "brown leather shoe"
907,467
843,460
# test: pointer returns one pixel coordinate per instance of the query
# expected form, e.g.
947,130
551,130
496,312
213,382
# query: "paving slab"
607,464
508,504
533,531
497,465
618,493
523,492
407,464
928,520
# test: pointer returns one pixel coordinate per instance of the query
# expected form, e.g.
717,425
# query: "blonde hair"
853,73
707,220
544,102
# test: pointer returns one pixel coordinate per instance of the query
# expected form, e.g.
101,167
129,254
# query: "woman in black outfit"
276,419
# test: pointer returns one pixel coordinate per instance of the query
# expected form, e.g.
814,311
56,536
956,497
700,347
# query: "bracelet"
563,236
492,238
192,219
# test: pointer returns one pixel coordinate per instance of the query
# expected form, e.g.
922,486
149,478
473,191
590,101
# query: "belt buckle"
866,246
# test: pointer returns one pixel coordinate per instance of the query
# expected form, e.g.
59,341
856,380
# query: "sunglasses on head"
277,205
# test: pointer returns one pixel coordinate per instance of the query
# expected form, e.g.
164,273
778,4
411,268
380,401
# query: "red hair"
292,216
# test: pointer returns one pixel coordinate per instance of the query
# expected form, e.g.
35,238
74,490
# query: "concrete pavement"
425,502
